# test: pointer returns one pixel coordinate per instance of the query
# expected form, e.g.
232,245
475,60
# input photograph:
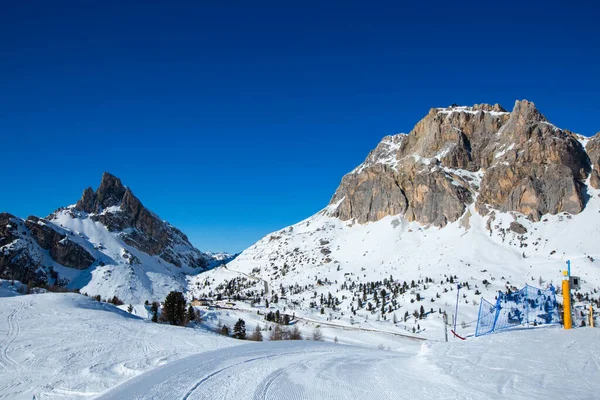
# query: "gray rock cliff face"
457,156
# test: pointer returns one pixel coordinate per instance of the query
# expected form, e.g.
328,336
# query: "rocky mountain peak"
116,207
109,194
460,155
525,112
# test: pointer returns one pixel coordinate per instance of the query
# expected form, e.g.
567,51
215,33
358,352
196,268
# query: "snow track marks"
13,331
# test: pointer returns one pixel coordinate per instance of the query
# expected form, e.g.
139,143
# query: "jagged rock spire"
110,193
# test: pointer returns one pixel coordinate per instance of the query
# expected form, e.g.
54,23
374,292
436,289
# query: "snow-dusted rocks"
541,169
107,244
26,246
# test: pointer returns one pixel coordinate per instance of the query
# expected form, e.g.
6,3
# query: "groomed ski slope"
533,364
68,346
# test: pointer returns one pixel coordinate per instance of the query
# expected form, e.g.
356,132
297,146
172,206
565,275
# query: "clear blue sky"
236,120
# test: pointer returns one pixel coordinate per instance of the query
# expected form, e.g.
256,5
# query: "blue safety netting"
527,307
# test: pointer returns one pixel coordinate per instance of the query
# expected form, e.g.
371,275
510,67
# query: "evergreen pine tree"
239,329
174,308
154,310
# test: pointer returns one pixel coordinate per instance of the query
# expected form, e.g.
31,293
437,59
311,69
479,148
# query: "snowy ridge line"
468,110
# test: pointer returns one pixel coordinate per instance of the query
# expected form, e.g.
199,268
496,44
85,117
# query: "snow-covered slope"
323,255
55,346
120,269
538,364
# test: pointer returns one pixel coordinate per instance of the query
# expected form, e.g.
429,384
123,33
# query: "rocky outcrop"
70,254
43,234
8,232
456,156
517,228
593,150
537,169
61,249
15,262
22,259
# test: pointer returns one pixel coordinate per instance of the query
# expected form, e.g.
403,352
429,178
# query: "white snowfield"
67,346
534,364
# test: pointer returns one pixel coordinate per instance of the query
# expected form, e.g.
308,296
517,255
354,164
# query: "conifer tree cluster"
283,319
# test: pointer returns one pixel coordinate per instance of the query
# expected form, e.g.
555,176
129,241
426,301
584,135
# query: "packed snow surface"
534,364
68,346
56,346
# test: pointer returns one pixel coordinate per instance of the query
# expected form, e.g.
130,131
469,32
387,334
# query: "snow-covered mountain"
474,195
107,244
